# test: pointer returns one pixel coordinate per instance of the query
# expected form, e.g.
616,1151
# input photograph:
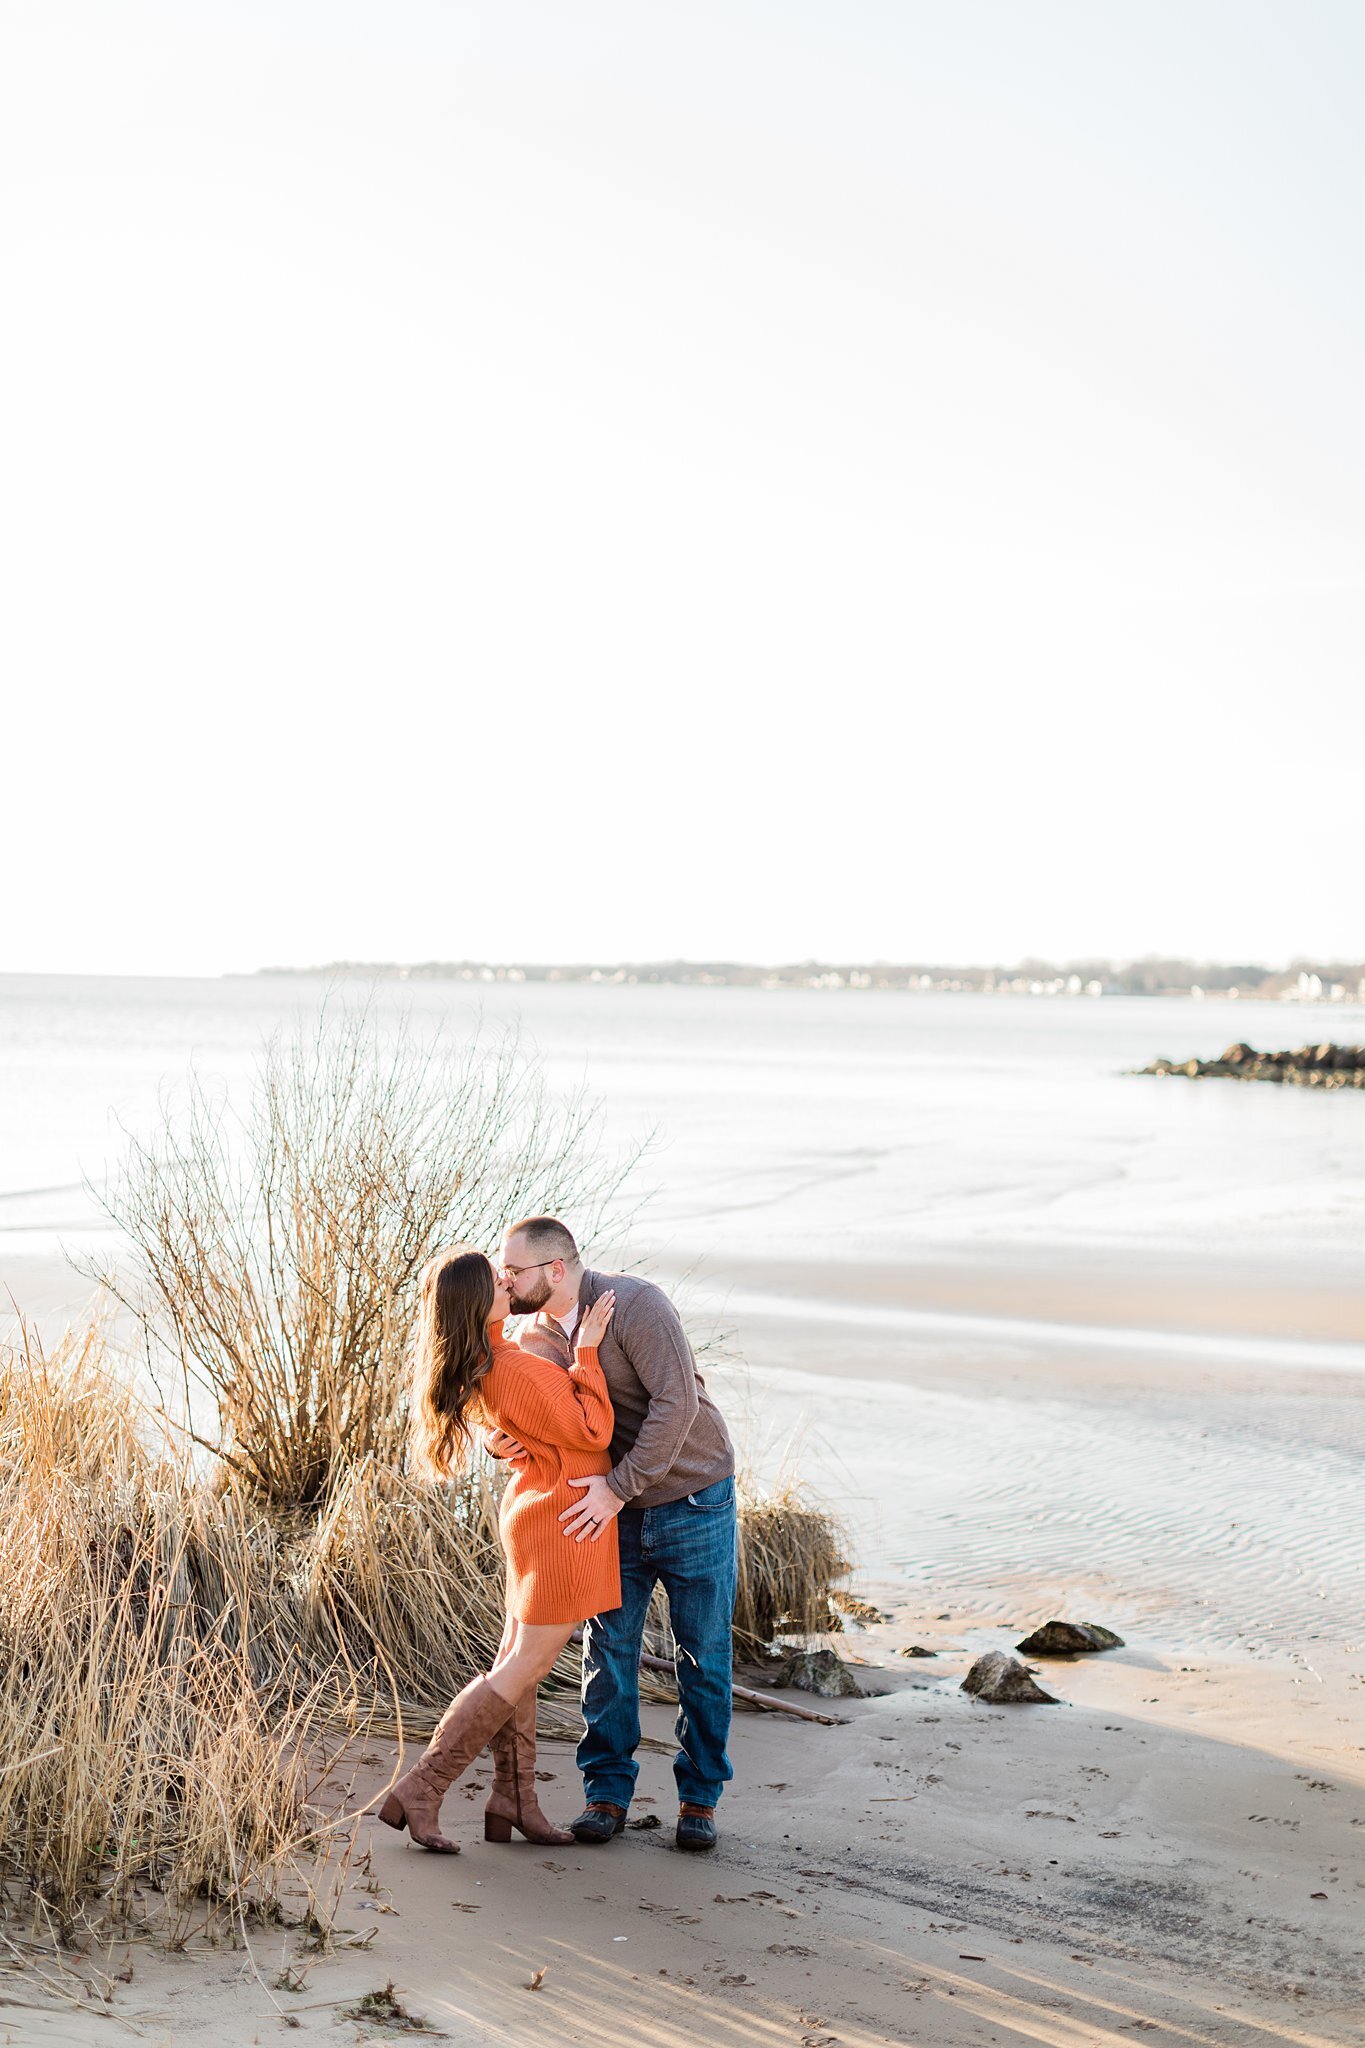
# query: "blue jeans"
691,1547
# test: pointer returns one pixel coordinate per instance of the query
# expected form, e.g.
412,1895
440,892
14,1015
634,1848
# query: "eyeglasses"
515,1272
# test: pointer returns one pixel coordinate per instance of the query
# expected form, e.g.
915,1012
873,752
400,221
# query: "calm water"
788,1124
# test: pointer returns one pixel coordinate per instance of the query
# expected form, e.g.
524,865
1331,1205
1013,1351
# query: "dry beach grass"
142,1752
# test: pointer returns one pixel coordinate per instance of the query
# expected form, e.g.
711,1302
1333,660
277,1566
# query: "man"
671,1491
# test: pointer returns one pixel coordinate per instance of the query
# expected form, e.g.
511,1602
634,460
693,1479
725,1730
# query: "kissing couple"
622,1478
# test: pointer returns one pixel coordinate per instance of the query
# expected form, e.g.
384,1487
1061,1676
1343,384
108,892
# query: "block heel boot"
512,1803
469,1723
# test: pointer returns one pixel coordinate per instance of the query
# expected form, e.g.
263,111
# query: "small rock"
916,1650
1068,1639
646,1820
820,1671
1005,1681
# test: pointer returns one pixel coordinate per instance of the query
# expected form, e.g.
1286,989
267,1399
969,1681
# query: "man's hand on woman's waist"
591,1515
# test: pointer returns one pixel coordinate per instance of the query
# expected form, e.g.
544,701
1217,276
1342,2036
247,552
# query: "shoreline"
1154,1292
957,1329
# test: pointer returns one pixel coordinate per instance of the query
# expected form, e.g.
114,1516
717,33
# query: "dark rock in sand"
1004,1681
1069,1639
819,1671
917,1650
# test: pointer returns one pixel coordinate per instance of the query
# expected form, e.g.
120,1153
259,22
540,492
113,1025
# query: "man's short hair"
547,1237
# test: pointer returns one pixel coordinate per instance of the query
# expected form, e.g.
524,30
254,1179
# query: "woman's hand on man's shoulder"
595,1323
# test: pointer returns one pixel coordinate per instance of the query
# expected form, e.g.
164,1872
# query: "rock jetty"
1308,1066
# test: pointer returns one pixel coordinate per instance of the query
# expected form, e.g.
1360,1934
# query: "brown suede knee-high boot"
512,1803
467,1725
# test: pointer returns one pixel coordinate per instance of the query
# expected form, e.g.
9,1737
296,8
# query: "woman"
465,1374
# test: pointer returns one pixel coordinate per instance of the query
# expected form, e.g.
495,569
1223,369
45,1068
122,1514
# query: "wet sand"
1147,1306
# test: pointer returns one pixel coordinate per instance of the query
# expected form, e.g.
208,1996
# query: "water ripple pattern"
1244,1530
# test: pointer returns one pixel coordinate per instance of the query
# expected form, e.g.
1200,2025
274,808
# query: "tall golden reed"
139,1751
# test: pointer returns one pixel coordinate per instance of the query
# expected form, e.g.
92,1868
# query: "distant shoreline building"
1301,982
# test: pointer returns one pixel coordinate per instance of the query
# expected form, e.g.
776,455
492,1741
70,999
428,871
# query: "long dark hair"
451,1356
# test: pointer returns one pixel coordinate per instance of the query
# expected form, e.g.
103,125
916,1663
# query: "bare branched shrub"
278,1255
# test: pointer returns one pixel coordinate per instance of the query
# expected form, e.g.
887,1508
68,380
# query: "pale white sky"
731,478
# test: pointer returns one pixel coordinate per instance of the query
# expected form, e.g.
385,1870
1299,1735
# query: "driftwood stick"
767,1702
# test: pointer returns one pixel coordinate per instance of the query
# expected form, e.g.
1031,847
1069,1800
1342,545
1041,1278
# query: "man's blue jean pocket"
714,1498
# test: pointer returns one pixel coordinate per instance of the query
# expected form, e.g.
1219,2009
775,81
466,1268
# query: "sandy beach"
1173,1851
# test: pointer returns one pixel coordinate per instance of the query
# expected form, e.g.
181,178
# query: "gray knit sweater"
670,1438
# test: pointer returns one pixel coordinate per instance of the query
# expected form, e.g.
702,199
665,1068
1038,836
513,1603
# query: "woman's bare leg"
529,1656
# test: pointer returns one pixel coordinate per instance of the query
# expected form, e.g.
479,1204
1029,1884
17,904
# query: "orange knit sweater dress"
563,1417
